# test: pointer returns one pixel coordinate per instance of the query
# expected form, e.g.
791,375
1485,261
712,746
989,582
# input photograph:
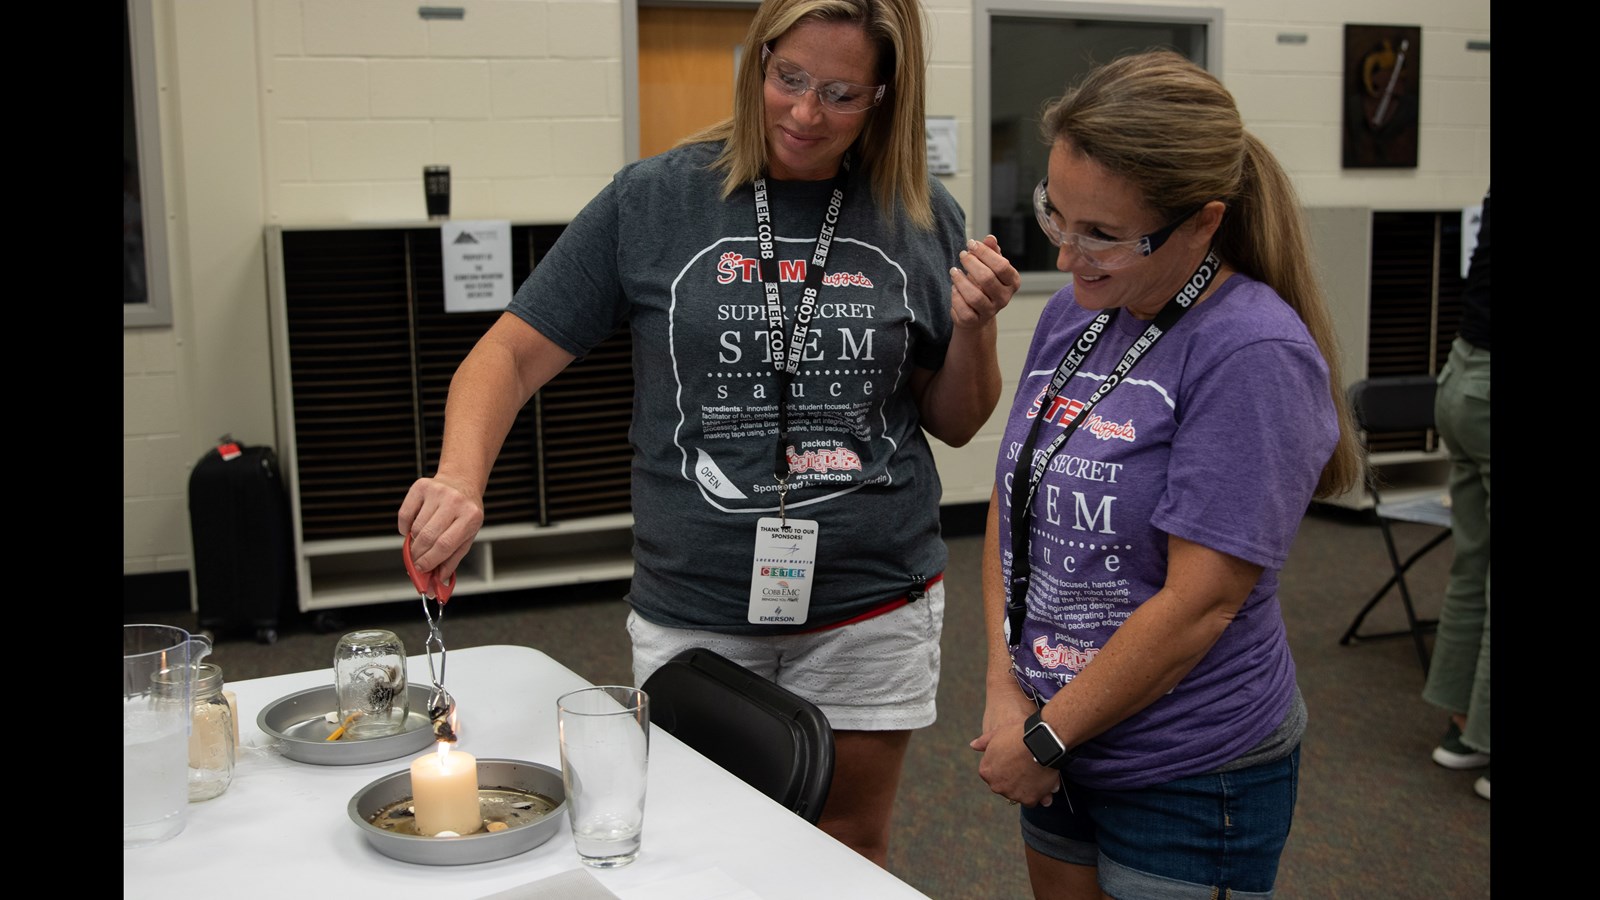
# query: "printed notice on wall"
941,135
477,265
1471,221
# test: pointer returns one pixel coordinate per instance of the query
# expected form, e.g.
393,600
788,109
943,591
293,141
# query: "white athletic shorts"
879,674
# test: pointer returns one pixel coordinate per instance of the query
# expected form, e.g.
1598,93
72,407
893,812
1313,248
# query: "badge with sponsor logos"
785,564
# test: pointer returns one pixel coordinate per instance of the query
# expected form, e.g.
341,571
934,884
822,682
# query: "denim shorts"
880,674
1215,835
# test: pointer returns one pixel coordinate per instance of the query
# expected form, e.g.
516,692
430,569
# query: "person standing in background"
1458,674
806,310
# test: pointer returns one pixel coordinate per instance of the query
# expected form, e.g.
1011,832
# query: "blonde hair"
892,148
1172,130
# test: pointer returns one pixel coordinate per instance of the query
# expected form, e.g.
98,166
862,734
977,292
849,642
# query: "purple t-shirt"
1218,436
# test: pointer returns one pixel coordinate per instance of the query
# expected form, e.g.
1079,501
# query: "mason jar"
211,737
369,672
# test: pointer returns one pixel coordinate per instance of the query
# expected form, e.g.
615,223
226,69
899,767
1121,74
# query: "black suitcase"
243,544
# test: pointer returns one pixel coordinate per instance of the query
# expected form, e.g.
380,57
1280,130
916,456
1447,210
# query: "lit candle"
444,792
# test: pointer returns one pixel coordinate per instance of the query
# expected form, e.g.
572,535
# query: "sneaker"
1452,754
1481,786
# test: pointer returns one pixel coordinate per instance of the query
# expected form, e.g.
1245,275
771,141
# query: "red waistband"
876,611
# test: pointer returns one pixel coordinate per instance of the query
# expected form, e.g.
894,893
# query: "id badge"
785,564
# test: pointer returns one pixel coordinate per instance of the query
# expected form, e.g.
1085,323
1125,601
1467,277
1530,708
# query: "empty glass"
369,671
605,750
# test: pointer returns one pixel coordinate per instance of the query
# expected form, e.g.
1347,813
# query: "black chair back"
774,740
1393,403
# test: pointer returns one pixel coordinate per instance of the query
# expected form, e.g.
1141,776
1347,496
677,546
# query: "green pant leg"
1458,676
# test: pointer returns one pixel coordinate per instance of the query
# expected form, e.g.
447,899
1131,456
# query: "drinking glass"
605,750
369,671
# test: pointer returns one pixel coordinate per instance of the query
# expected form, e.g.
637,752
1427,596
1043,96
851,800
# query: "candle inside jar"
444,792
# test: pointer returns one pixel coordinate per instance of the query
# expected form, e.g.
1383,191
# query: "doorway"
687,59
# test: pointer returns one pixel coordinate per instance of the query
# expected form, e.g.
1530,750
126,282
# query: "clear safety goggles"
1098,252
836,96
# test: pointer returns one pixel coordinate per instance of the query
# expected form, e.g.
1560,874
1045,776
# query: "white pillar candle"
444,792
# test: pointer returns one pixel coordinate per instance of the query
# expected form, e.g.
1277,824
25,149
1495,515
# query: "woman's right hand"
507,366
1004,705
442,519
1006,765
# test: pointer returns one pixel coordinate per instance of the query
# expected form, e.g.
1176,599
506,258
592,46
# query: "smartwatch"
1042,742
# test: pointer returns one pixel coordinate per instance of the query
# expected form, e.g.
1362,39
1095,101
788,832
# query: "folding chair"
1381,405
772,739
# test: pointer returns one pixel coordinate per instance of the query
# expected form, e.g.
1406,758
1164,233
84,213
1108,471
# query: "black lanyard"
787,361
1032,466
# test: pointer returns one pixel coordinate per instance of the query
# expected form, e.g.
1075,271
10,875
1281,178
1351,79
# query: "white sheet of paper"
579,884
477,265
574,884
943,157
1471,220
707,884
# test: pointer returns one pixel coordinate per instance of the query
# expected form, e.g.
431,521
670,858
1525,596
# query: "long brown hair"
1172,130
892,148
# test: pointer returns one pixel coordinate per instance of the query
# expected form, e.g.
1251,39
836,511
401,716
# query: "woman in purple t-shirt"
1179,407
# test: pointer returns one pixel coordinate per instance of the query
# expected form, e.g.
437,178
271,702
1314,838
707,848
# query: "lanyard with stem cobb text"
1032,466
786,361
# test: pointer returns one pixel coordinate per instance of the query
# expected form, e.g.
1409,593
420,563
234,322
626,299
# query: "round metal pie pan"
482,846
299,722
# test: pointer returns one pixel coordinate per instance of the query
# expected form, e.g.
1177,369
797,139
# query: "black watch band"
1041,741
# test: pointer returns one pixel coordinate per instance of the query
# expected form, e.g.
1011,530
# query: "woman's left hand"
983,285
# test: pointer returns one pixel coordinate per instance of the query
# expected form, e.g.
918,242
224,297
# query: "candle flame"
444,753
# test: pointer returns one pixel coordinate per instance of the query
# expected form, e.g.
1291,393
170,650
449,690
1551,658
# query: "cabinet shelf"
1404,475
362,571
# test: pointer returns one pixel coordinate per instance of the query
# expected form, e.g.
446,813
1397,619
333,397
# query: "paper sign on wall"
941,134
477,265
1471,221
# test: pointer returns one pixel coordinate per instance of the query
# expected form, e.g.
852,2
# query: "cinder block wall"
301,112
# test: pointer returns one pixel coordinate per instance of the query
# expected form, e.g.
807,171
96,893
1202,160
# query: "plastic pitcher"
155,730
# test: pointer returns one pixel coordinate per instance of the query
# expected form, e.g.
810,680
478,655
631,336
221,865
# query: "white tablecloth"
282,829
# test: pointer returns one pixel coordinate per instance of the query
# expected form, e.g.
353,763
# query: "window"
145,295
1027,52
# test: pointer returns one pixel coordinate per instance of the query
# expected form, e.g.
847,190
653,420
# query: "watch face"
1043,744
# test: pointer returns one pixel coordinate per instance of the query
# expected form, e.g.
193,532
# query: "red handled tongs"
441,706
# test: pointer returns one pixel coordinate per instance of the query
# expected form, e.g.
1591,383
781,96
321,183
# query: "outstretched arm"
507,366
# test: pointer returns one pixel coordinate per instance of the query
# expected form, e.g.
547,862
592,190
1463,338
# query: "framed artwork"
1382,84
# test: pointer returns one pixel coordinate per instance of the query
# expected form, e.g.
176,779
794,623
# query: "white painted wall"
300,112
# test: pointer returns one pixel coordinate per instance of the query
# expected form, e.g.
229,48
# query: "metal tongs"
441,706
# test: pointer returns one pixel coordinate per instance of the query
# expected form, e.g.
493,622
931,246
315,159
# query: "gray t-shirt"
657,249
